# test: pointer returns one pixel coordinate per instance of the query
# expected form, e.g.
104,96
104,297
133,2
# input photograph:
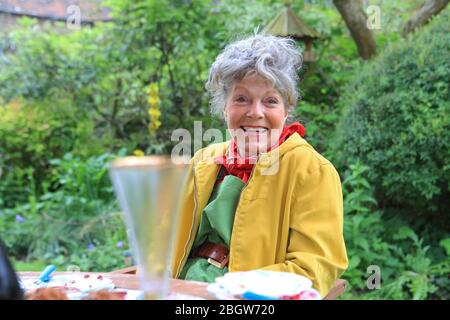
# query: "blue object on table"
45,275
256,296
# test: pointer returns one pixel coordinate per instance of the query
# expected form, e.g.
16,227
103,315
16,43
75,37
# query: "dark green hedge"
397,122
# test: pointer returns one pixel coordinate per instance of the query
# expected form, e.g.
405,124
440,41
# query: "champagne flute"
148,190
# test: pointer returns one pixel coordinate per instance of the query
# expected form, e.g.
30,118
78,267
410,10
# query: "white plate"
263,284
76,286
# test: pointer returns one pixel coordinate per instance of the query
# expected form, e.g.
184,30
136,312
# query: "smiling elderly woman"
265,199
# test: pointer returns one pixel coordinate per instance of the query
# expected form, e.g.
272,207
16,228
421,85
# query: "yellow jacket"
289,217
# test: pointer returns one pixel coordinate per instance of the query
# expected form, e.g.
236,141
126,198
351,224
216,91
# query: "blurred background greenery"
72,101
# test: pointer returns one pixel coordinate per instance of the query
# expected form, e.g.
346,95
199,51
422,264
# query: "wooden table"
131,281
193,288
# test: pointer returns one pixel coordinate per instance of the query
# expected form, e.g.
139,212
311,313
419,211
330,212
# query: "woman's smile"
254,130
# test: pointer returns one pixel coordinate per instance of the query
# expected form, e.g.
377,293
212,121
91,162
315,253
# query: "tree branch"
424,14
356,20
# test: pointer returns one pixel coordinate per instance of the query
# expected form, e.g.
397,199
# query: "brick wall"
9,22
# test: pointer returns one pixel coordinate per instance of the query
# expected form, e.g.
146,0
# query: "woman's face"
255,115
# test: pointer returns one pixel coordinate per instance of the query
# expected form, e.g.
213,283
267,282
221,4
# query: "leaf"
419,287
445,243
354,262
404,233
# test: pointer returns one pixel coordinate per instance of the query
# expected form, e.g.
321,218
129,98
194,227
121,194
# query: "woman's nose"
255,110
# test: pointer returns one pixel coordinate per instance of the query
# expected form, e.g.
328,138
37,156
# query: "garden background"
73,99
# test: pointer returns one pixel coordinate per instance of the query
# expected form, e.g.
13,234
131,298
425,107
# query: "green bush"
407,267
397,122
106,71
79,223
31,134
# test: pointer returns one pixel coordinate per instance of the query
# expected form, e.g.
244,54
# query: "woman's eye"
241,99
272,101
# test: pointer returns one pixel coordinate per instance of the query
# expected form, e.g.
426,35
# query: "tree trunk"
355,18
423,14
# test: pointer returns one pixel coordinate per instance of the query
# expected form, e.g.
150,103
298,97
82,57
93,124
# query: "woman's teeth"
248,129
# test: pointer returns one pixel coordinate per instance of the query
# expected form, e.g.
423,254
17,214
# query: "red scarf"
244,170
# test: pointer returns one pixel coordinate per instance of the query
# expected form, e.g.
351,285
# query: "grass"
22,266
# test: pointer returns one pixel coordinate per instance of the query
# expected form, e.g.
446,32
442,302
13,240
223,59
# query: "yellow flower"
153,89
153,101
153,126
138,153
154,112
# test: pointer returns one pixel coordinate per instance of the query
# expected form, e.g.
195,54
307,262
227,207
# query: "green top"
216,224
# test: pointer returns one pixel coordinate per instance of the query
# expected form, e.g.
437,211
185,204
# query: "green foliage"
394,15
32,133
407,269
20,266
61,225
363,228
86,68
397,123
321,81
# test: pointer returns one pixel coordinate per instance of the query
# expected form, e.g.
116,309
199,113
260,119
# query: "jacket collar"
206,158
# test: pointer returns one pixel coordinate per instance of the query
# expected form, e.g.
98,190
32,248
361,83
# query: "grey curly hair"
275,59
